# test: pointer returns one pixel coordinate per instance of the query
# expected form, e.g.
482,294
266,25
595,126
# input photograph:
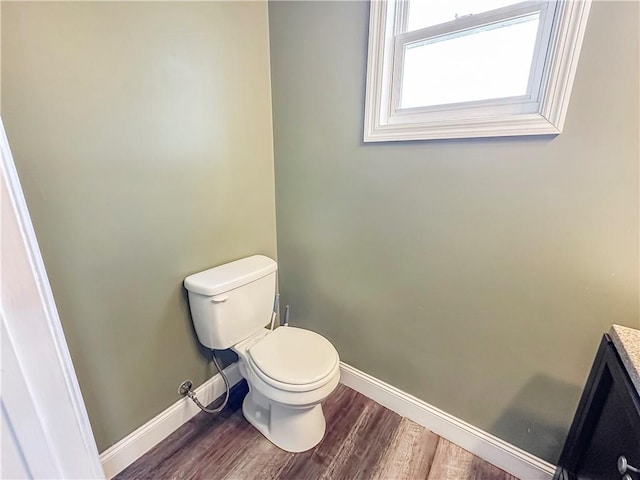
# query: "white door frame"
45,427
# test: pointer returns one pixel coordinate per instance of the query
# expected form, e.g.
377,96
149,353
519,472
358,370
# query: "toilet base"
293,429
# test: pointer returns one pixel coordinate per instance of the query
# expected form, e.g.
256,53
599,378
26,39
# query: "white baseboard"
503,455
133,446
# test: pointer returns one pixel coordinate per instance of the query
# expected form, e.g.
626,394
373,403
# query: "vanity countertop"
627,343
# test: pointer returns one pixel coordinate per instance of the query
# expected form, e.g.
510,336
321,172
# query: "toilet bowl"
289,370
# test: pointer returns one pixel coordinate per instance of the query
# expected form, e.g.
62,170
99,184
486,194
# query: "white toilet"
289,370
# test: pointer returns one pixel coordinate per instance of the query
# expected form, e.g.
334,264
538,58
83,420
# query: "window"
470,68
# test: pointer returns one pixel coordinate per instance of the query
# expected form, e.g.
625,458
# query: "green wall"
142,136
478,275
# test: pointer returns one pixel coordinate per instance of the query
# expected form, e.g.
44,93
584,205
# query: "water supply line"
186,389
276,307
286,316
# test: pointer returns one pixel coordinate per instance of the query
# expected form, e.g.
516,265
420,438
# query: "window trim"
502,117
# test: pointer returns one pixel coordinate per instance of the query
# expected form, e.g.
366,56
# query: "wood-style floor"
363,440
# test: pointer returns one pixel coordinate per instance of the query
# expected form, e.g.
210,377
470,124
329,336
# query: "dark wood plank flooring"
363,440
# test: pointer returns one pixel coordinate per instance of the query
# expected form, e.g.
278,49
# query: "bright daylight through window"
470,68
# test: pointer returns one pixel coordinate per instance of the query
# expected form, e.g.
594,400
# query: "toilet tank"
232,301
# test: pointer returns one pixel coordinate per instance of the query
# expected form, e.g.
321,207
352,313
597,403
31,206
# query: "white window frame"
541,111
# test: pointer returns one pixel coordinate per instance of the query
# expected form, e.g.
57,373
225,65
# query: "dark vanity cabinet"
604,439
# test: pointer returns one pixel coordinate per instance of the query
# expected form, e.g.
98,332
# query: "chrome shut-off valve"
624,468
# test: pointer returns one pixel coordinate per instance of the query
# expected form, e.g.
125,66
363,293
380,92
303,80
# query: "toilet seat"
294,359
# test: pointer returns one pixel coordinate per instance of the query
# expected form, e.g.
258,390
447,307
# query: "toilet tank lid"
231,275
